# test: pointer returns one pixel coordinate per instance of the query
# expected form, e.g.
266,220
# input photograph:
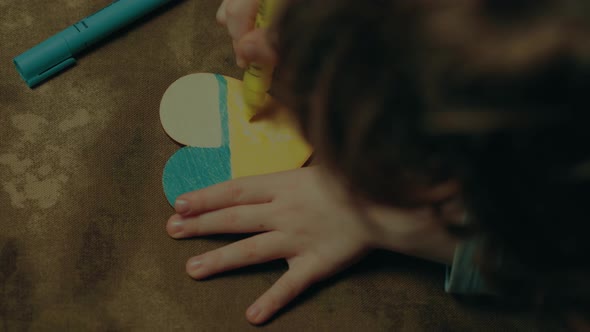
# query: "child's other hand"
297,219
250,44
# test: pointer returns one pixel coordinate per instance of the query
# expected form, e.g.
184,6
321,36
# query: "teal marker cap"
57,52
44,60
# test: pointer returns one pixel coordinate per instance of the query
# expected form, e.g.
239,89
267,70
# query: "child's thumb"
254,48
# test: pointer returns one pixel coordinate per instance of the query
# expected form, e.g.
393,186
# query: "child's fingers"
221,16
284,290
255,48
233,220
240,17
247,190
258,249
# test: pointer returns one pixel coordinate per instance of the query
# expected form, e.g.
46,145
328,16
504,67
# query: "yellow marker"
257,78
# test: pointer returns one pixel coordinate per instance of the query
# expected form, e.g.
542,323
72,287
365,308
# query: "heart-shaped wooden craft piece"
207,114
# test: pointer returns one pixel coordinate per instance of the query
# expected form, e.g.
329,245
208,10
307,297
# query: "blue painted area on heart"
222,83
193,168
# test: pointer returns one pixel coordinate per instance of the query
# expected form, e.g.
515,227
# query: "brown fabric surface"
82,213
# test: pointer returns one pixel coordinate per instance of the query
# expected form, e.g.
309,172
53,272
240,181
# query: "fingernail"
181,206
253,311
194,268
177,227
194,264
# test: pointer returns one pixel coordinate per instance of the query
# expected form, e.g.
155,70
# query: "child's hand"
250,45
298,219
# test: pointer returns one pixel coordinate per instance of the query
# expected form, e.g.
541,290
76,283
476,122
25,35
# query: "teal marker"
57,53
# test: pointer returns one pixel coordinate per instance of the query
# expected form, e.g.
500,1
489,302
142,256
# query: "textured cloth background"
82,213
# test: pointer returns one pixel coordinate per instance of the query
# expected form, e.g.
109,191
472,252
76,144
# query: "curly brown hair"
401,95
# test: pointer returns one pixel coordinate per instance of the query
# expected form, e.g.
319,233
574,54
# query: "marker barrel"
56,53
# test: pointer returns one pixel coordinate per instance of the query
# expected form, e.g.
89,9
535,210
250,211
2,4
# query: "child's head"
399,96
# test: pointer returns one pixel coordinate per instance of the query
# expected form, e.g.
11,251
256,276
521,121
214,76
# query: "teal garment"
462,276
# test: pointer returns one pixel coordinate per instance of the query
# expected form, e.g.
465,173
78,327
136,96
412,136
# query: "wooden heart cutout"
207,113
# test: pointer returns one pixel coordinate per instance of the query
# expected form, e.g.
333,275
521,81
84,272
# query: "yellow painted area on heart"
267,145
